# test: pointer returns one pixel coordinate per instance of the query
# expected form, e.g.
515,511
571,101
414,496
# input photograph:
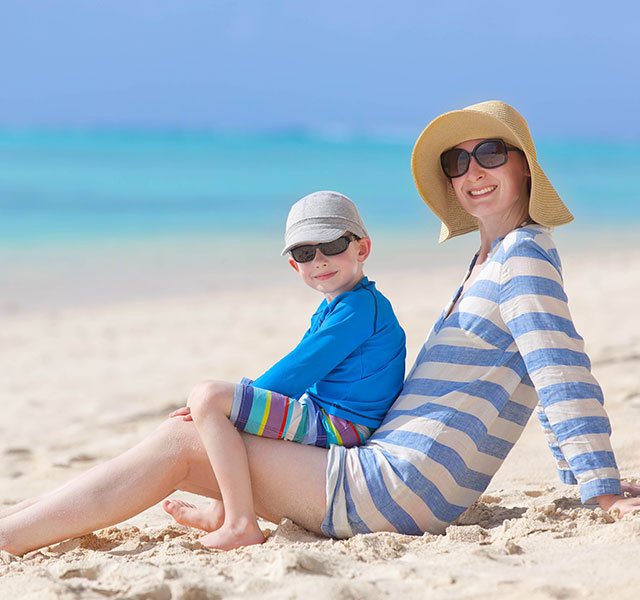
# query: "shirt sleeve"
534,307
344,329
564,470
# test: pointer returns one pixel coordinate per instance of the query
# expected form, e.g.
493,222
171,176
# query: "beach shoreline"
78,273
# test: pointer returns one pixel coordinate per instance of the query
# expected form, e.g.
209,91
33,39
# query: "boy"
334,387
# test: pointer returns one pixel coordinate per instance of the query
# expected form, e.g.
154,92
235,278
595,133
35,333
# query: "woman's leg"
288,481
29,501
14,508
106,494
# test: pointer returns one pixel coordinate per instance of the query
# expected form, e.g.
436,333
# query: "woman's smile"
484,191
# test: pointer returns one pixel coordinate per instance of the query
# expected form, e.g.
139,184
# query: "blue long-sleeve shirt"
351,359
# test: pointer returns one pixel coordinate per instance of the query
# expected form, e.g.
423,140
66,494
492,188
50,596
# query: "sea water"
60,187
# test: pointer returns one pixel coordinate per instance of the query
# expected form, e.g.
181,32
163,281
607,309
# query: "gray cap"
321,217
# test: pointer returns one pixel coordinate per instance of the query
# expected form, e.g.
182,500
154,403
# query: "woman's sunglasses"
489,154
303,254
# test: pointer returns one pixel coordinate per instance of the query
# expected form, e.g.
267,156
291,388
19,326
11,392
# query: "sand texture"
79,385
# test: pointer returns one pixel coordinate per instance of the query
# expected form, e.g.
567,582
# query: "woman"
504,345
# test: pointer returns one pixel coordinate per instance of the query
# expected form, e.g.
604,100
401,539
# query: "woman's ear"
294,264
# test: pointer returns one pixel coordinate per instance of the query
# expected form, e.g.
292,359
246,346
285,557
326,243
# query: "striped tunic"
508,347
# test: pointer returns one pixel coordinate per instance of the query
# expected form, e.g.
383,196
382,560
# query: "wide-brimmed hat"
493,119
322,217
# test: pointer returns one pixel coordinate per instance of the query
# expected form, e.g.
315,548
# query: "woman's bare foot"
209,518
234,535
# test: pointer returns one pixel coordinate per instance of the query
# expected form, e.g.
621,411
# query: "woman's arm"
534,307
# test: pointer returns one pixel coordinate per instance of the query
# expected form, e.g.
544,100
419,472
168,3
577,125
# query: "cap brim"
310,235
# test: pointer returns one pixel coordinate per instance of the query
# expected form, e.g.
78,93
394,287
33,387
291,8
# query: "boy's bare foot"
209,518
230,536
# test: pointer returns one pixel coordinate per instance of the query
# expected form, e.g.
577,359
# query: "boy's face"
334,275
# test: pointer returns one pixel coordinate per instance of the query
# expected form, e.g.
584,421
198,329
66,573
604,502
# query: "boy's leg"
261,413
342,432
210,403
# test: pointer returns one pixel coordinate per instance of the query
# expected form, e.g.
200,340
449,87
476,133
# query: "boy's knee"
206,396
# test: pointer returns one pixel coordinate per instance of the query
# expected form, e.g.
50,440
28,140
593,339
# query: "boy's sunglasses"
303,254
489,154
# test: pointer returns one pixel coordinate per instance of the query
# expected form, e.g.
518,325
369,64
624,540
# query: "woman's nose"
476,171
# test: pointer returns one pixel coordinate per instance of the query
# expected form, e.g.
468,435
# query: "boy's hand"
625,504
183,413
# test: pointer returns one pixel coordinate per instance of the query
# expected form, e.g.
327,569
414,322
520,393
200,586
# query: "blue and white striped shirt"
507,348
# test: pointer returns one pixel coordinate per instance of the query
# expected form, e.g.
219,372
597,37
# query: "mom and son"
371,452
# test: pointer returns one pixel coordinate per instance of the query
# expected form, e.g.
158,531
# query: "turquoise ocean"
103,216
59,187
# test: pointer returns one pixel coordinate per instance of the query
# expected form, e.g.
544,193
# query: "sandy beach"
85,375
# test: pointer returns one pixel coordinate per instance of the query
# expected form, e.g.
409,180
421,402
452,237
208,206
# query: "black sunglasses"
306,253
489,154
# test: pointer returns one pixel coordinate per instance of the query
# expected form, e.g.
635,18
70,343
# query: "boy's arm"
344,329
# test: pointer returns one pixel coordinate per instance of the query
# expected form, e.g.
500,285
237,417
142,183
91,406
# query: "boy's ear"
294,264
364,249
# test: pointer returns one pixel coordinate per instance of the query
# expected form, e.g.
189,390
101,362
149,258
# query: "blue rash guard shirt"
350,361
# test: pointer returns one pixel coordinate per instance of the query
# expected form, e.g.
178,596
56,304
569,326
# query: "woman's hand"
630,488
183,413
626,503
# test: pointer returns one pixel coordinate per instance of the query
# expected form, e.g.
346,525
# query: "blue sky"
365,66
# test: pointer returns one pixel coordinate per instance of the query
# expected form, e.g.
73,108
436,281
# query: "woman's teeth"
484,190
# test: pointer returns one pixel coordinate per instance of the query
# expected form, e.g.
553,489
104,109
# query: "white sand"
79,384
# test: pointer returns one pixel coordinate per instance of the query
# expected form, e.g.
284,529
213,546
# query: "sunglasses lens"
491,154
336,247
455,162
303,254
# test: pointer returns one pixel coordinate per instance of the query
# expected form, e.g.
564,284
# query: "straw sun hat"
493,119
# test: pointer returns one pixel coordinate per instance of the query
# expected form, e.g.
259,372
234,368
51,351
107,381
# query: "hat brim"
311,235
449,129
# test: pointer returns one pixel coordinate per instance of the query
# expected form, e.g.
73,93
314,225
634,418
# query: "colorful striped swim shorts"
273,415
